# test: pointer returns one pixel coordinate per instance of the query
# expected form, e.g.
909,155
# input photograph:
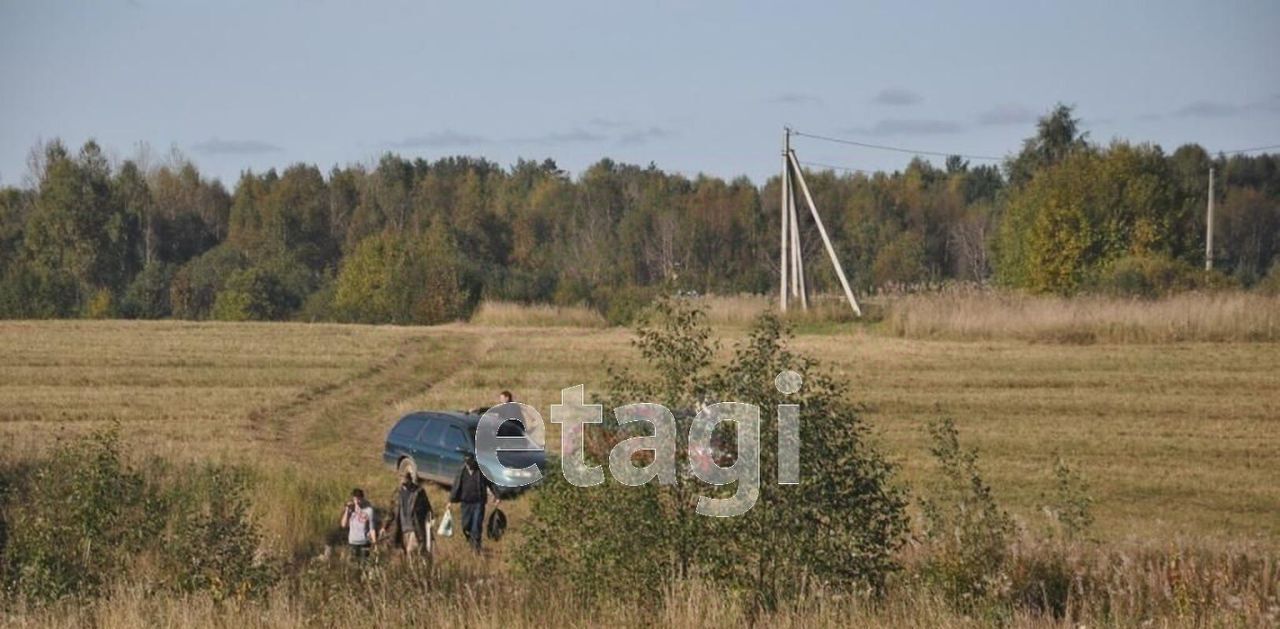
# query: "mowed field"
1177,440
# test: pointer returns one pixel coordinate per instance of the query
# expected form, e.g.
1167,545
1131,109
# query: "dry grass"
980,315
1177,439
1176,587
738,311
510,314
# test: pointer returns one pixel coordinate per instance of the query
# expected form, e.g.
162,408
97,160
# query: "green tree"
1057,136
251,294
78,225
1075,218
402,279
840,526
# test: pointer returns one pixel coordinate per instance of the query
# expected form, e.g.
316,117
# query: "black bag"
497,524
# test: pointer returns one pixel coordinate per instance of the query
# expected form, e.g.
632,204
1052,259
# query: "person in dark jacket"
472,489
409,524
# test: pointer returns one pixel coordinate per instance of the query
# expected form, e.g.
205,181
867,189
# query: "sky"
691,86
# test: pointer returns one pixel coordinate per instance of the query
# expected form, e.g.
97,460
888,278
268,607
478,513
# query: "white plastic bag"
446,524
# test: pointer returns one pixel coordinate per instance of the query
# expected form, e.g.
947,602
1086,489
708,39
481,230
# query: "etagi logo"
573,416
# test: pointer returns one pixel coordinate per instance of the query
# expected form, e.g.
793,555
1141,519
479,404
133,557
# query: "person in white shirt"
357,518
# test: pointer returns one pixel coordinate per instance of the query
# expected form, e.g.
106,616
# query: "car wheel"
407,466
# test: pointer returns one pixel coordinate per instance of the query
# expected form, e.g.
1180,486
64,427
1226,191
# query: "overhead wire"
884,147
1251,150
834,167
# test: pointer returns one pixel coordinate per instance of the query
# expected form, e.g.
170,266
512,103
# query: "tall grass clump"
513,314
1226,316
744,309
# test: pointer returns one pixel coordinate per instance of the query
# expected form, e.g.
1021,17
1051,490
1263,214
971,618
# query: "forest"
412,241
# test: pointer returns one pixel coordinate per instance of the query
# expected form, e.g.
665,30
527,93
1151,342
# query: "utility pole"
1208,230
822,231
784,262
790,260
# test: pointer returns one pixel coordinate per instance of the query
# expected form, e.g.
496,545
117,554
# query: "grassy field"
1176,434
1177,439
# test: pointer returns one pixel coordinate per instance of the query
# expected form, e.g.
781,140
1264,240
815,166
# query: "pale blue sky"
692,86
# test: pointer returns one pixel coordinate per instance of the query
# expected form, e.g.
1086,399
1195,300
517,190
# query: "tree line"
417,241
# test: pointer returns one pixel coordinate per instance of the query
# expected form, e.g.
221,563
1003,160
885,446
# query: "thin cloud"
440,139
572,136
1221,109
1208,109
216,146
897,97
642,136
795,98
606,123
1001,115
911,126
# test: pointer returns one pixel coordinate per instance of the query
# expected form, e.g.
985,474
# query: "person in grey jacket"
411,514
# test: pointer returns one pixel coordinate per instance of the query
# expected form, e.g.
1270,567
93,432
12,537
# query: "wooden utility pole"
822,231
1208,229
798,288
784,261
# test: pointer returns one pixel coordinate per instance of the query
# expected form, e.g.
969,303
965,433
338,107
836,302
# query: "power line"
883,147
834,167
1250,150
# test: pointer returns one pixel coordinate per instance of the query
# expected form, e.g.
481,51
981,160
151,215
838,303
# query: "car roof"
458,417
468,420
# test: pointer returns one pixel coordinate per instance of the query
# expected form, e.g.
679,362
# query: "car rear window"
434,433
455,438
408,428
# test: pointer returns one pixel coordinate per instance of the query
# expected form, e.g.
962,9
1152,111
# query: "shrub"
100,305
1148,276
212,544
646,537
318,306
147,296
624,304
1270,284
901,261
402,278
252,294
197,283
82,519
29,294
1071,507
968,534
77,519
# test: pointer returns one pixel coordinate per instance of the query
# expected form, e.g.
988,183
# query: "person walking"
409,526
357,518
472,490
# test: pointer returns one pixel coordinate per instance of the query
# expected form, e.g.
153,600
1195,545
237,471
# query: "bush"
76,519
1072,506
251,294
83,518
211,545
968,534
623,305
318,306
1270,284
402,278
197,283
147,296
1149,276
100,305
29,294
647,537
